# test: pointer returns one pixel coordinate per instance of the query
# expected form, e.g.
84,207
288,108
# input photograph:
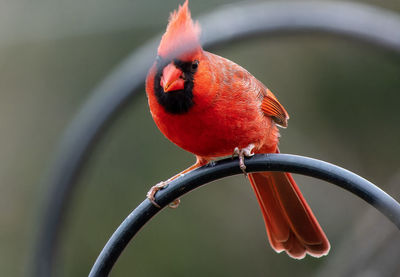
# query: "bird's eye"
195,64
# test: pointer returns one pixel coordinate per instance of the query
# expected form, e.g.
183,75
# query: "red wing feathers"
271,107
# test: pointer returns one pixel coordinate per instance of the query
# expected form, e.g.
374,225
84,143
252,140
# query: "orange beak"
172,78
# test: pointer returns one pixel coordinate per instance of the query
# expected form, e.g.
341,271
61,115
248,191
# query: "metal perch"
262,162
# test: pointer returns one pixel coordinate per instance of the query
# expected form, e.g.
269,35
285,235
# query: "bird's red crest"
182,35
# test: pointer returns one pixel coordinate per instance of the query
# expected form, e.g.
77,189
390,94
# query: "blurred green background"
343,98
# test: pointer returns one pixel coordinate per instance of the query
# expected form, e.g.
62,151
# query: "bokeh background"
343,98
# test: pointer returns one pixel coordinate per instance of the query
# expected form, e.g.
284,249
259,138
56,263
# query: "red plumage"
209,106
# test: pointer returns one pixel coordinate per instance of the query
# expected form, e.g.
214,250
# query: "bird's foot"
152,192
241,153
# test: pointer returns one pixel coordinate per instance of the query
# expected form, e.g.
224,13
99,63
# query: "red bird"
212,108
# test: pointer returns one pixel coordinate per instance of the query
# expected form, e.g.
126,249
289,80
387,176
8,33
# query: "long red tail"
290,223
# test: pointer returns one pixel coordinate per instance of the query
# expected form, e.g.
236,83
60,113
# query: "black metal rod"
263,162
351,20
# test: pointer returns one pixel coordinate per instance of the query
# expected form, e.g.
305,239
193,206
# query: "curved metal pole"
357,21
265,162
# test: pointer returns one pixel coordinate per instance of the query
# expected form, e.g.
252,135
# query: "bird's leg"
163,184
244,152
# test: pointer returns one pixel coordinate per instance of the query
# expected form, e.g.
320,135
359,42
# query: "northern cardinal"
212,108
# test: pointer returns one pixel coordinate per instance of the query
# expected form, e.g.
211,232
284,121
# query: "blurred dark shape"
356,21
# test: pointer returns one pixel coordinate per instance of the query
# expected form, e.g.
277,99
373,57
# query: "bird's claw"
241,153
152,192
174,204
